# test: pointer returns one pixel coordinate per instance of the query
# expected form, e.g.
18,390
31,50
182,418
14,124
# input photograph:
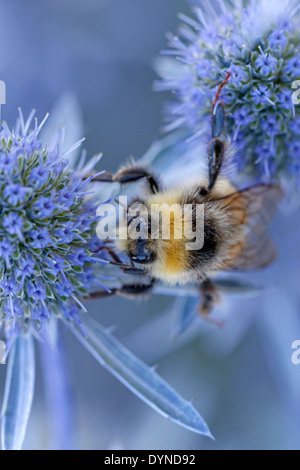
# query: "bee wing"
258,252
254,208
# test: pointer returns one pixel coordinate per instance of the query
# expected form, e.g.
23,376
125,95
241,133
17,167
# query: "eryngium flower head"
259,45
47,233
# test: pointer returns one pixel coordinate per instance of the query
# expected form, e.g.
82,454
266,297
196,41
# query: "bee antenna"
120,265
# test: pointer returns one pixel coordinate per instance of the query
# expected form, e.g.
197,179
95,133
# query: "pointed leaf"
58,390
142,380
238,286
228,285
186,315
18,395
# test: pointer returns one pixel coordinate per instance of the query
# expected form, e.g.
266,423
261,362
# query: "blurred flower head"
47,235
259,45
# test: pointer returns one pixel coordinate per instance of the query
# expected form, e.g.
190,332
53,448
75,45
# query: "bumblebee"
235,224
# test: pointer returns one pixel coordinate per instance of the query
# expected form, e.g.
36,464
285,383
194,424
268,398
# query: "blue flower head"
260,46
47,232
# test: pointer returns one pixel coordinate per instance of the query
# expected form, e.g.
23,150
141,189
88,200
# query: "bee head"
139,245
141,252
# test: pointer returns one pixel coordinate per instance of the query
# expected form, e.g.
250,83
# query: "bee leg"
129,174
216,158
135,173
126,290
133,271
116,261
210,297
101,294
136,290
216,147
110,251
217,97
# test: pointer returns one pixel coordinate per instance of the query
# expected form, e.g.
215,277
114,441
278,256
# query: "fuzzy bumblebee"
235,223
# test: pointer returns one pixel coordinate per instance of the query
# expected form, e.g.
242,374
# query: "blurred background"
241,377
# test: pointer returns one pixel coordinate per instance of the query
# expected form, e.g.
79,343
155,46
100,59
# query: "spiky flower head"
258,41
47,232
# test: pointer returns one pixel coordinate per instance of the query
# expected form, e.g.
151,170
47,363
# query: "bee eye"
203,192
